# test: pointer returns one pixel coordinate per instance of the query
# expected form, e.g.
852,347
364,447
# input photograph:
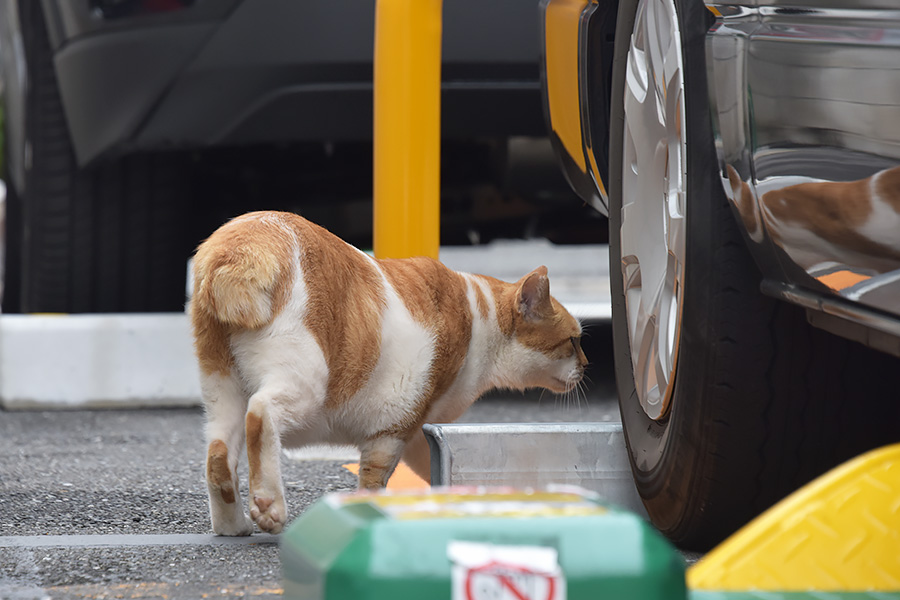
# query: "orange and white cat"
303,339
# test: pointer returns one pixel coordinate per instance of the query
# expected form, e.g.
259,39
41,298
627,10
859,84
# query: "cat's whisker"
559,398
572,399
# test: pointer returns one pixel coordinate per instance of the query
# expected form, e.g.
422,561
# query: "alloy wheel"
653,201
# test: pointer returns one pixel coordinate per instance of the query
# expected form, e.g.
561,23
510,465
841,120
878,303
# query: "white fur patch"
400,376
284,359
226,404
884,222
474,377
519,365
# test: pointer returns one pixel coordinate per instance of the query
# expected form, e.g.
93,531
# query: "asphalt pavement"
112,504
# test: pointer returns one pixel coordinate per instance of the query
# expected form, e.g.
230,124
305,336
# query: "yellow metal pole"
407,128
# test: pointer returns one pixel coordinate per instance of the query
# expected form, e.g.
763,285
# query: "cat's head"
548,338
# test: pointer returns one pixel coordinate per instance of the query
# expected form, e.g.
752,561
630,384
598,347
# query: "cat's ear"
533,295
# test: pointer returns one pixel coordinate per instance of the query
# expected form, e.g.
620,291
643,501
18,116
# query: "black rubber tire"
763,402
112,238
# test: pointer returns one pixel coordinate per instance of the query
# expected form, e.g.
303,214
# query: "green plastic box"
474,544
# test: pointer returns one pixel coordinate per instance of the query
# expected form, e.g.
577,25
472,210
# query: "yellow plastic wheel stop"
841,532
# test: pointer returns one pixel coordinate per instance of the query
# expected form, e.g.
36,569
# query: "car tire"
755,402
110,238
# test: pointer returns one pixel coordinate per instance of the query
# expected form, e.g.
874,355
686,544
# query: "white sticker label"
483,571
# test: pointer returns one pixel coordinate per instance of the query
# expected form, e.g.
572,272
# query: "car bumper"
246,72
577,59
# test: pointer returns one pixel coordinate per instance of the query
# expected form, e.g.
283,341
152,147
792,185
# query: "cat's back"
247,271
277,288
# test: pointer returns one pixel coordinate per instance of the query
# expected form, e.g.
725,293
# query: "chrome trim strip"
835,307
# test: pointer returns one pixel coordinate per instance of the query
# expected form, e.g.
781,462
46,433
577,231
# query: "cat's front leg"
267,506
378,459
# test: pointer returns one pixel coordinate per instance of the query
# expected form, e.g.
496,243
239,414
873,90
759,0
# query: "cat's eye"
576,343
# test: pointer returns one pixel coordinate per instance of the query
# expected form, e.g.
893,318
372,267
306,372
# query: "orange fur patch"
254,447
344,307
210,342
217,471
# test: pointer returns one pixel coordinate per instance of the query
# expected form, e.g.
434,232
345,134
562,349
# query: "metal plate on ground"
590,455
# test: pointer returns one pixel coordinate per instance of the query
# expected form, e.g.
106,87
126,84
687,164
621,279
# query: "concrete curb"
97,361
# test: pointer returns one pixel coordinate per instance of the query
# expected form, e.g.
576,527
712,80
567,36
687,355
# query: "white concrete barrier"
80,361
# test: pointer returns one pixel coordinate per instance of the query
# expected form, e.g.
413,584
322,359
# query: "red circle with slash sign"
502,572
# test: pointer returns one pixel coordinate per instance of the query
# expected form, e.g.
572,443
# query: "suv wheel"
113,238
729,399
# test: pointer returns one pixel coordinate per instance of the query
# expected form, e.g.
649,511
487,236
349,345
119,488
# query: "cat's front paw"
268,513
236,528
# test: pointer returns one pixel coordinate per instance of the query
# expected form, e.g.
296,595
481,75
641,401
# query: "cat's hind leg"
225,404
267,507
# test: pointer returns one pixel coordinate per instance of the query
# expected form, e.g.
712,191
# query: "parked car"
746,154
114,109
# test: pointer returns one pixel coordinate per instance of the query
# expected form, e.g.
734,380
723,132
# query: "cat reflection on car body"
820,221
303,339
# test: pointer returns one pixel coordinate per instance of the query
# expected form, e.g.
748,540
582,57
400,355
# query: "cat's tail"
243,285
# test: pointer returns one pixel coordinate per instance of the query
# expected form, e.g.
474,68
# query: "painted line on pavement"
108,541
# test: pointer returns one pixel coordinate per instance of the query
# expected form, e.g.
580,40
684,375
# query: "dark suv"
133,127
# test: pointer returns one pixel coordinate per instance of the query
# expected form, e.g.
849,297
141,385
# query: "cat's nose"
581,357
578,373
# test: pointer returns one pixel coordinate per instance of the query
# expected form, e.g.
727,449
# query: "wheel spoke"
650,376
655,49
